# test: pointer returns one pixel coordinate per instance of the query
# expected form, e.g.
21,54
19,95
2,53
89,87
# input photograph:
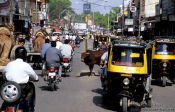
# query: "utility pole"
108,22
11,12
123,19
140,12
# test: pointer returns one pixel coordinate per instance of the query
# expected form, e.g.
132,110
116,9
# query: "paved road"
80,93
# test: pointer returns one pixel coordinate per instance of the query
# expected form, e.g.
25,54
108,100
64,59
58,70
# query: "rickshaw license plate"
126,75
52,74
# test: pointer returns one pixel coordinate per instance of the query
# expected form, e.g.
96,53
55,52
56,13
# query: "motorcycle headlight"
165,64
126,81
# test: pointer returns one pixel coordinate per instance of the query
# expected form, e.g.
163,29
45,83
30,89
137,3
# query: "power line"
98,4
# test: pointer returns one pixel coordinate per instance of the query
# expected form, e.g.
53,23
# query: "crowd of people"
52,53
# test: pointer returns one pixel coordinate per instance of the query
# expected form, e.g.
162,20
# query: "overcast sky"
77,5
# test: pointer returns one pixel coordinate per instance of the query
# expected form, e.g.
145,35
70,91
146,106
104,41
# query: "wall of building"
150,8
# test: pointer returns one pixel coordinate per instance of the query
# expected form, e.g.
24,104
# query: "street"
81,93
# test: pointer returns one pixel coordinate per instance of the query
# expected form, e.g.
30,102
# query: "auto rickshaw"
99,40
128,72
164,60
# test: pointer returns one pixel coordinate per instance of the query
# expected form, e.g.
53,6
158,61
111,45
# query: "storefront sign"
129,21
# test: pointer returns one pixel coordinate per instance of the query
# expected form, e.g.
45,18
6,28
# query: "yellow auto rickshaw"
164,60
128,72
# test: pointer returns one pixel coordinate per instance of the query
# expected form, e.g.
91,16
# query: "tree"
56,7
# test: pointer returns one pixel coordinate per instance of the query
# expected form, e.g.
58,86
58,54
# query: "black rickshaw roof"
129,42
165,40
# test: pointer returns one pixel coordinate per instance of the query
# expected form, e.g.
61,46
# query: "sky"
77,5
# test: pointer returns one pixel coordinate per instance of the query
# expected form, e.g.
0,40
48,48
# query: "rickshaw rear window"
165,48
125,56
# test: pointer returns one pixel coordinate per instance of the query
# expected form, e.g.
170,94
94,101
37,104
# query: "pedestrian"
19,43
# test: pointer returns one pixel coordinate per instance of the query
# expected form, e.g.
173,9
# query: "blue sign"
87,8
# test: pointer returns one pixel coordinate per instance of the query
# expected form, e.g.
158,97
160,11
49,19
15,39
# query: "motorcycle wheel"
53,86
124,104
164,81
13,86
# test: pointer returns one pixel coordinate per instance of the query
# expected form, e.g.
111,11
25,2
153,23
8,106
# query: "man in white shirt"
67,37
20,72
66,49
58,43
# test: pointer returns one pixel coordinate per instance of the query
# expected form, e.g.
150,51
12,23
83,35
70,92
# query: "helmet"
21,53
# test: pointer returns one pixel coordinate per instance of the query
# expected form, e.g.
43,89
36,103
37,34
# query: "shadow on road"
82,74
101,102
65,75
45,88
158,83
98,90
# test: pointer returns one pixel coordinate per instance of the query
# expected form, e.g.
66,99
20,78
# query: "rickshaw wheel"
164,81
125,104
149,102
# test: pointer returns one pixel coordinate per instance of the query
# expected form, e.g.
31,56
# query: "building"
23,14
157,17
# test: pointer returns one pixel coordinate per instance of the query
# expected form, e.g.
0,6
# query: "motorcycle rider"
43,52
54,57
66,50
20,71
44,48
58,43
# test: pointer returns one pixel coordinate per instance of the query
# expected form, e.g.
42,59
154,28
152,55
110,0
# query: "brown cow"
91,58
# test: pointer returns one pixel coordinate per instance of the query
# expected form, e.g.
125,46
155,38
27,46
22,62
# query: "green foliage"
57,6
101,19
79,18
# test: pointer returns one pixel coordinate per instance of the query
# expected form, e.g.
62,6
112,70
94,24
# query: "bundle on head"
39,41
6,42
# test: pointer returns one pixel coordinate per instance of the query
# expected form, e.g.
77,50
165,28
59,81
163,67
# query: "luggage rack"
166,40
134,41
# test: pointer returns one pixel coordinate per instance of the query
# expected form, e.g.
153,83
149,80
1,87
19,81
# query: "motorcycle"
52,77
14,97
66,66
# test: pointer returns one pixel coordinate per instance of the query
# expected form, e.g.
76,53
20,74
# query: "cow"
90,58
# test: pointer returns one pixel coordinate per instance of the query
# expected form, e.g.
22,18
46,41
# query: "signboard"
129,21
126,4
133,9
150,7
130,29
171,17
4,7
87,8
